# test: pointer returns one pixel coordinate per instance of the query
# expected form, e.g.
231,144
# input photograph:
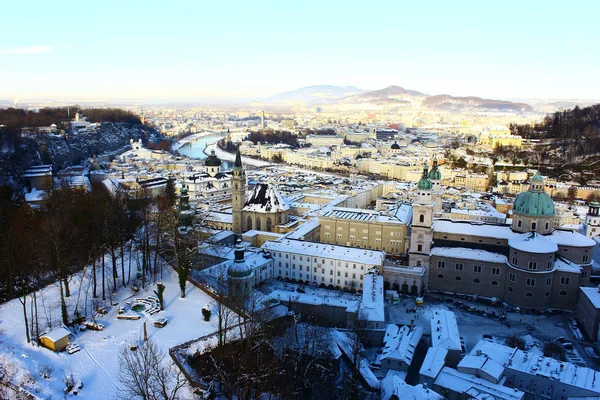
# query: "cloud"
28,50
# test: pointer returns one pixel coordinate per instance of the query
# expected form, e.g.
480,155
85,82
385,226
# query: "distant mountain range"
393,95
319,94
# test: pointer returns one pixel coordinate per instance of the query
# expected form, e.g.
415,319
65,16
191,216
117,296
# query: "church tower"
238,193
591,225
422,219
436,180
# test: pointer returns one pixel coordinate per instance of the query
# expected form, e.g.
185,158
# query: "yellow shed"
57,339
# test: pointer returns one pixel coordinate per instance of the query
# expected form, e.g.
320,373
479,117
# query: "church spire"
238,159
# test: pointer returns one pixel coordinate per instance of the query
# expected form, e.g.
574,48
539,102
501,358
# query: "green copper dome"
535,202
425,182
435,174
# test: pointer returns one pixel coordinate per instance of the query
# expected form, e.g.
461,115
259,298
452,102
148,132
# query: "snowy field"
97,364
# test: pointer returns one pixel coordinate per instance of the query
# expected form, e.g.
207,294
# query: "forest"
74,229
563,124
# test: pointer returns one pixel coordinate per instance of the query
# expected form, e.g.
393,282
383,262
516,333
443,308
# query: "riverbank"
191,138
223,155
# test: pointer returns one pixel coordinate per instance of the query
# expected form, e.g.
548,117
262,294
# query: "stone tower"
591,225
421,232
239,275
238,193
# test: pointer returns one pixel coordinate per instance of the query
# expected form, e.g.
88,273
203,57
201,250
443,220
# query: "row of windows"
339,263
533,225
530,294
476,268
459,278
331,280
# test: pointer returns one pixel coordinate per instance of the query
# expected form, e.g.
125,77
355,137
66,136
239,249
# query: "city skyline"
234,52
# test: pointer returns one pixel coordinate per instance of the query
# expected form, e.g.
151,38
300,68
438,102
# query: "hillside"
450,103
320,94
391,94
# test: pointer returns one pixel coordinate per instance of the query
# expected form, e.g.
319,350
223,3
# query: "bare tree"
225,316
148,375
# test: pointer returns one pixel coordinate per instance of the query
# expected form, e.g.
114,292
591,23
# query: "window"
494,283
563,293
530,282
457,278
441,264
339,273
510,289
547,294
476,280
495,271
514,260
511,277
533,226
420,247
564,281
532,265
548,281
459,267
421,218
528,294
440,276
477,268
585,259
547,226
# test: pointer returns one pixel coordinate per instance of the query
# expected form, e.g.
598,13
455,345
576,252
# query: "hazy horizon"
237,52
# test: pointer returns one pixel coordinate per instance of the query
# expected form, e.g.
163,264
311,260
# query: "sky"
244,50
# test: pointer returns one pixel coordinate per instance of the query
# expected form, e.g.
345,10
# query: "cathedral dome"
395,146
212,160
535,202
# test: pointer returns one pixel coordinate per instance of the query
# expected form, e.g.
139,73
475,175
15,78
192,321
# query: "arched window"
269,224
440,276
563,293
457,278
249,223
258,223
510,289
494,283
476,280
528,294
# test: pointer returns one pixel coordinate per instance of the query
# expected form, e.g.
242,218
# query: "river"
195,148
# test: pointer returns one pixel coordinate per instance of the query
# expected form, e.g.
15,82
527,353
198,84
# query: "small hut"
57,339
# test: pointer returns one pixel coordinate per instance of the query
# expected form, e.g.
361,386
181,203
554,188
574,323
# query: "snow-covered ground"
97,364
223,155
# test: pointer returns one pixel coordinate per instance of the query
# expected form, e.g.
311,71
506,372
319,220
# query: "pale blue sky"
249,49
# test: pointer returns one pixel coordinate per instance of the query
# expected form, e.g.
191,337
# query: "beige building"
367,229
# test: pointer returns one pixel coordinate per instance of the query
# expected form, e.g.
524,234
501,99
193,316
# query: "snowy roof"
473,229
481,365
533,243
313,299
303,229
400,343
352,254
570,238
56,334
534,363
394,384
371,306
564,265
435,359
593,294
220,217
468,254
444,330
474,387
401,216
265,198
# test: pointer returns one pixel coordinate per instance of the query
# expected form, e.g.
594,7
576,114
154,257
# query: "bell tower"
238,193
422,220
